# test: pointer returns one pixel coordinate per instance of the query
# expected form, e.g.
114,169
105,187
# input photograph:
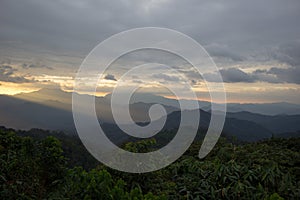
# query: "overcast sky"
256,44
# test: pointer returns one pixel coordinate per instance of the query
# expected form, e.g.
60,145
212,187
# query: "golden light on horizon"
8,88
257,92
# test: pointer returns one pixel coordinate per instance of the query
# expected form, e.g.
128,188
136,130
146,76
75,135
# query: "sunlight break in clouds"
47,40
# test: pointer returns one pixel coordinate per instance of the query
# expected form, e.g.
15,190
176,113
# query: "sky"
255,44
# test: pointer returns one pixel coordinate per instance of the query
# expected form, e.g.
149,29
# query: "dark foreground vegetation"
38,166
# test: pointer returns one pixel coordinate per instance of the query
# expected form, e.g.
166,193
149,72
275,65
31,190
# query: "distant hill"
23,114
51,109
242,130
279,108
276,124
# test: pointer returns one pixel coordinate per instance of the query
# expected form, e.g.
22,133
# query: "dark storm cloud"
232,29
263,76
273,75
289,54
110,77
231,75
288,75
63,25
236,75
80,25
7,74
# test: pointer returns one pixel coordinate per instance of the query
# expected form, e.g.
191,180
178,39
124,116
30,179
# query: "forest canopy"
56,166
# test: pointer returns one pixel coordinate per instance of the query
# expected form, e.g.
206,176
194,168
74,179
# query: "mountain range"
51,109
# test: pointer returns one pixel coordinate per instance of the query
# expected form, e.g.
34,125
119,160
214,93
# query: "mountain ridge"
27,113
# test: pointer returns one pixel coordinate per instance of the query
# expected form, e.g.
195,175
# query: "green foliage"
142,146
29,168
251,171
73,150
96,184
37,168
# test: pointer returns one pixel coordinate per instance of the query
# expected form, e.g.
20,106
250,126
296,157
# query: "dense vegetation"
39,166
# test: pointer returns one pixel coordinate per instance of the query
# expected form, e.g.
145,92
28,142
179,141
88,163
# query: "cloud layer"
251,41
273,75
7,74
232,28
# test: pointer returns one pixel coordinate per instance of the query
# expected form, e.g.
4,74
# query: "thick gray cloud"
285,53
235,75
289,75
7,74
217,50
288,54
264,76
273,75
231,75
242,26
110,77
232,31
